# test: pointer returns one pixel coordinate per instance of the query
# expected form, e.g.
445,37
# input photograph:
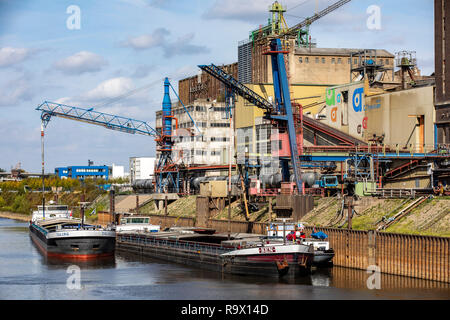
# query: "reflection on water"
59,263
356,279
27,274
336,277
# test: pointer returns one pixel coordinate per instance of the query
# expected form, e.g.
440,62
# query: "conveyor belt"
345,138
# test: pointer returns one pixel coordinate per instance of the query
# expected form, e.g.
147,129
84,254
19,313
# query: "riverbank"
14,216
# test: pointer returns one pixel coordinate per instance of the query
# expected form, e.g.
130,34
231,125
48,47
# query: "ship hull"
323,257
290,262
73,245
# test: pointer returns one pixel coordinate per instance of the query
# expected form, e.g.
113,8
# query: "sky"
87,53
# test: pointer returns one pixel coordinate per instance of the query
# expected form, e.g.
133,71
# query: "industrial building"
298,119
203,86
330,66
442,52
142,168
202,126
344,98
83,172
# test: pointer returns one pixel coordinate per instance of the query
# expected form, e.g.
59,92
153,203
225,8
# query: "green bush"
21,204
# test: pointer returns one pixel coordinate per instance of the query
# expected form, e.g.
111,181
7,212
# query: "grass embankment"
183,207
430,218
20,198
186,207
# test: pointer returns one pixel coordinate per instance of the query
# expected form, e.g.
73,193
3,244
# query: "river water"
25,274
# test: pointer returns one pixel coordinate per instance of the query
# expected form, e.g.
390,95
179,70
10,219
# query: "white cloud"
143,71
183,46
10,56
257,11
159,39
15,91
147,41
250,10
81,62
109,89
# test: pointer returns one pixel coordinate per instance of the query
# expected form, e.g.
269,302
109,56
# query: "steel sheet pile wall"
423,257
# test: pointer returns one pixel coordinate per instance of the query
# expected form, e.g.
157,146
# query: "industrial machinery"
280,112
277,25
166,171
284,115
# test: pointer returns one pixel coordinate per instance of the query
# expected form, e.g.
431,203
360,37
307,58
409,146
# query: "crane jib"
113,122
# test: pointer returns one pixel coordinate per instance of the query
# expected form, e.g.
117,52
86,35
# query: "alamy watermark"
74,280
374,280
374,19
73,22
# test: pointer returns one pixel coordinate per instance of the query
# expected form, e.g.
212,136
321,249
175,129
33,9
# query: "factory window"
221,139
220,125
387,61
349,60
339,61
300,60
355,61
306,60
317,59
323,60
263,148
333,60
345,96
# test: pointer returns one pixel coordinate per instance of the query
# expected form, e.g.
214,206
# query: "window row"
323,60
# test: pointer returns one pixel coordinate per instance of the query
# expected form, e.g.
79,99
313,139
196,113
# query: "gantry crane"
166,171
280,112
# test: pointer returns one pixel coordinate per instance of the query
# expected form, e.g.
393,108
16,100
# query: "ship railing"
44,231
212,248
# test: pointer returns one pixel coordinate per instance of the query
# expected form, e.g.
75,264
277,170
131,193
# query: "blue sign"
357,99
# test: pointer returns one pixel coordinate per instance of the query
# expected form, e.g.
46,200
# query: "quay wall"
421,257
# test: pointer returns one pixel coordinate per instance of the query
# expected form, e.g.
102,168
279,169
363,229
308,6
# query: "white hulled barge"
57,234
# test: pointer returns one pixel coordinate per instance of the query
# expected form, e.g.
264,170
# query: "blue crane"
166,172
281,111
109,121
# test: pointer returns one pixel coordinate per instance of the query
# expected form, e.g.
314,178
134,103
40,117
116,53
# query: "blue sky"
127,44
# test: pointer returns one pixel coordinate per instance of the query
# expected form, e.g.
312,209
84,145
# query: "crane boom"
280,112
237,87
113,122
317,16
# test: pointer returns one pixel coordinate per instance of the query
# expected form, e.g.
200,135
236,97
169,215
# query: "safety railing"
385,149
190,246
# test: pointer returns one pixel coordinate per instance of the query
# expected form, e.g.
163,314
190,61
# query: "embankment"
15,216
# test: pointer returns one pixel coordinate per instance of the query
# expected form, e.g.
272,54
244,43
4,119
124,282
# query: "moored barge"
243,254
57,234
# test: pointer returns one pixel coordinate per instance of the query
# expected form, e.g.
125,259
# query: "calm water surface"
26,274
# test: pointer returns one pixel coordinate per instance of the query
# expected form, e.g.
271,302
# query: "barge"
242,254
57,234
323,253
